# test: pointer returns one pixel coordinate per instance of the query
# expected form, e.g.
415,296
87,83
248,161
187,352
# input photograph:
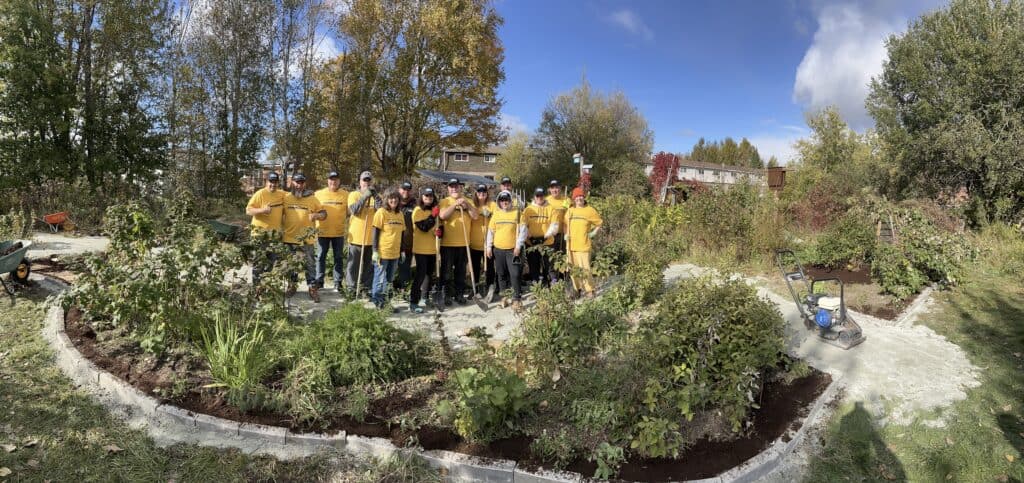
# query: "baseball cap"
298,177
504,195
407,185
480,188
272,176
332,174
538,192
453,181
506,179
365,175
554,182
428,191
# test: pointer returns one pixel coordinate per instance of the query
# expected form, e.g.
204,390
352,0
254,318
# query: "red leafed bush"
665,171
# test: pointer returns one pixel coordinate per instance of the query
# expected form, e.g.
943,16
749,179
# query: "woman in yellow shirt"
388,225
478,233
424,248
505,237
583,223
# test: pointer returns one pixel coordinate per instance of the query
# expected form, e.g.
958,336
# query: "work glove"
438,232
435,212
401,258
486,213
592,233
376,256
566,237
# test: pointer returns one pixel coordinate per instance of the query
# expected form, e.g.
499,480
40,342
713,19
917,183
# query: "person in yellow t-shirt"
541,228
362,205
457,213
505,237
301,212
583,223
388,226
406,205
478,233
266,207
424,248
560,203
332,230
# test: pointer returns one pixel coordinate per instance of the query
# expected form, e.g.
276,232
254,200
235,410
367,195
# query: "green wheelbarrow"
226,231
13,261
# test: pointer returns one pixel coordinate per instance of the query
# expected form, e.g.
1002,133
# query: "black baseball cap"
332,174
506,179
453,181
554,182
406,185
481,188
273,176
505,195
428,191
538,191
298,177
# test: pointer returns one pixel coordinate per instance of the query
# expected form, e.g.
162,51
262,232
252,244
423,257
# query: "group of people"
427,240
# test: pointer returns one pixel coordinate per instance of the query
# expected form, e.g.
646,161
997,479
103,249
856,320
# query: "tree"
832,142
424,75
665,172
948,106
606,129
519,161
727,152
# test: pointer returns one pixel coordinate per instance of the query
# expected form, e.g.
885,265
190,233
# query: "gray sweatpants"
352,270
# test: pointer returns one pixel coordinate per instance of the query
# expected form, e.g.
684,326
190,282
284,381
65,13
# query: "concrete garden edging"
168,424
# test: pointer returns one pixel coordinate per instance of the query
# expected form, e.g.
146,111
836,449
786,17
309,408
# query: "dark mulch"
781,407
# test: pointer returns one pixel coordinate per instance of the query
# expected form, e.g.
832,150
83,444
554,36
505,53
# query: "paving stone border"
168,424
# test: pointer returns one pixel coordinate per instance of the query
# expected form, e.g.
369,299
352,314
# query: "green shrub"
360,346
847,241
707,346
14,225
556,448
896,273
608,458
657,438
308,393
239,360
556,333
487,402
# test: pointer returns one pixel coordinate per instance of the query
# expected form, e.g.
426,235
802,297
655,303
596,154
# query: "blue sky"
713,69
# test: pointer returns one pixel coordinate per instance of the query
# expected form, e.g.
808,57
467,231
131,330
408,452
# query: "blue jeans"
334,244
383,273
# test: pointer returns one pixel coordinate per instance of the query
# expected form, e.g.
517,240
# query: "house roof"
444,176
472,150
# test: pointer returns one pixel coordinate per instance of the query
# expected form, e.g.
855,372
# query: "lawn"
52,431
984,436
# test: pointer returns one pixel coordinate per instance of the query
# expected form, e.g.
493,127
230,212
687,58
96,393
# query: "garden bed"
863,294
782,407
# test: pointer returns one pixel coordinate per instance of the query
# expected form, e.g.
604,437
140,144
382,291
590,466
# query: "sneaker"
517,305
290,290
415,308
461,301
314,294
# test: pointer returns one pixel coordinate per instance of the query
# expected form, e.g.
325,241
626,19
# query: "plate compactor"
823,313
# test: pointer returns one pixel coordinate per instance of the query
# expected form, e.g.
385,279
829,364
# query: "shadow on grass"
856,450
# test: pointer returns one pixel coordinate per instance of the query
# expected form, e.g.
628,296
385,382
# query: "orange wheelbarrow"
55,220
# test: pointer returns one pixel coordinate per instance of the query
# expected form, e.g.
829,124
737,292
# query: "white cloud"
512,123
632,23
847,51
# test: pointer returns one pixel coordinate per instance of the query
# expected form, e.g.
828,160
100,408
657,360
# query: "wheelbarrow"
226,231
15,263
55,221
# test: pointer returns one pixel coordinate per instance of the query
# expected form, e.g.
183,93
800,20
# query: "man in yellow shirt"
266,207
332,230
457,213
362,205
560,204
583,223
505,237
541,228
301,212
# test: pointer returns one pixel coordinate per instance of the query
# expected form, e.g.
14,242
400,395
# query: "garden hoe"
821,312
438,295
367,223
469,256
490,286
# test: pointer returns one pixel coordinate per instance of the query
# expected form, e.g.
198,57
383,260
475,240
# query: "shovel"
472,278
438,286
490,287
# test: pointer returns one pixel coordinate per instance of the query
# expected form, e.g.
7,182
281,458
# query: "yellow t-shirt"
538,219
358,231
505,225
335,203
581,221
456,226
296,217
478,228
423,242
391,226
261,199
560,204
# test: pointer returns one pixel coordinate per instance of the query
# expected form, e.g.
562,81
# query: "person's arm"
489,243
595,221
472,211
447,211
523,232
253,208
358,205
376,239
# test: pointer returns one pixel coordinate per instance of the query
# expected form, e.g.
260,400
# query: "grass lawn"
49,430
984,436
